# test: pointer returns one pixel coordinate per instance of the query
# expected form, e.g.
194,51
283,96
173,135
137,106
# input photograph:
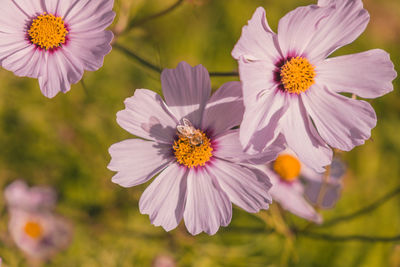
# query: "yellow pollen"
33,229
192,155
297,75
47,31
287,167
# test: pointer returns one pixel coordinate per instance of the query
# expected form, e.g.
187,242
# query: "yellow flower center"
297,75
192,150
287,167
47,31
33,229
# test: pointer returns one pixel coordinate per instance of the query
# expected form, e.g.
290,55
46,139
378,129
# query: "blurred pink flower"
18,195
35,229
293,183
163,261
54,40
191,143
288,80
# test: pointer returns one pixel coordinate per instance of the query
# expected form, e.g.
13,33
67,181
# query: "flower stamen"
47,31
193,148
297,75
287,167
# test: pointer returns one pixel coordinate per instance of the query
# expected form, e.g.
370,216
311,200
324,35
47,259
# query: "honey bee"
187,130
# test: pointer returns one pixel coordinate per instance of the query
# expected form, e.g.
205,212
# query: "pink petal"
12,19
257,41
229,148
316,32
264,105
19,195
60,71
164,199
93,24
137,161
259,127
86,10
257,79
246,188
224,110
324,195
146,115
22,62
368,74
12,43
207,206
341,121
186,90
90,47
31,8
302,137
290,197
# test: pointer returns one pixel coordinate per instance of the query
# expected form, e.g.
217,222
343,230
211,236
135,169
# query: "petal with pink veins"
368,74
341,121
228,147
186,90
302,137
246,188
257,41
137,161
207,206
164,199
146,115
60,71
290,197
224,110
316,31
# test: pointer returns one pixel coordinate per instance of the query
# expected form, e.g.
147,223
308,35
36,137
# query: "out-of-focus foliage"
63,142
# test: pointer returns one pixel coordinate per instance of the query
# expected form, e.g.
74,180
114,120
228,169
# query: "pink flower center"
297,75
47,31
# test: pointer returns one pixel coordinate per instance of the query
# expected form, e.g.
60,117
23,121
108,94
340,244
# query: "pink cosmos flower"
290,87
191,144
35,229
298,188
54,40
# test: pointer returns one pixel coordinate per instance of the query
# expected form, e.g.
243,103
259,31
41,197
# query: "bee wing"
187,123
182,129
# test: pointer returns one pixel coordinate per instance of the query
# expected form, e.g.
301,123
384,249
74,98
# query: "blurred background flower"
33,225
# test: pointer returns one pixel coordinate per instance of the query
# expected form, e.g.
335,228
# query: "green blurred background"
63,142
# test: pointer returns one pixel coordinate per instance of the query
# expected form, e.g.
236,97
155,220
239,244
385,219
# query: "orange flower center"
193,148
47,31
297,75
287,167
33,229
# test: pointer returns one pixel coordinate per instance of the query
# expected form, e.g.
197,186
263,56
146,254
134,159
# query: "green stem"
139,22
364,210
